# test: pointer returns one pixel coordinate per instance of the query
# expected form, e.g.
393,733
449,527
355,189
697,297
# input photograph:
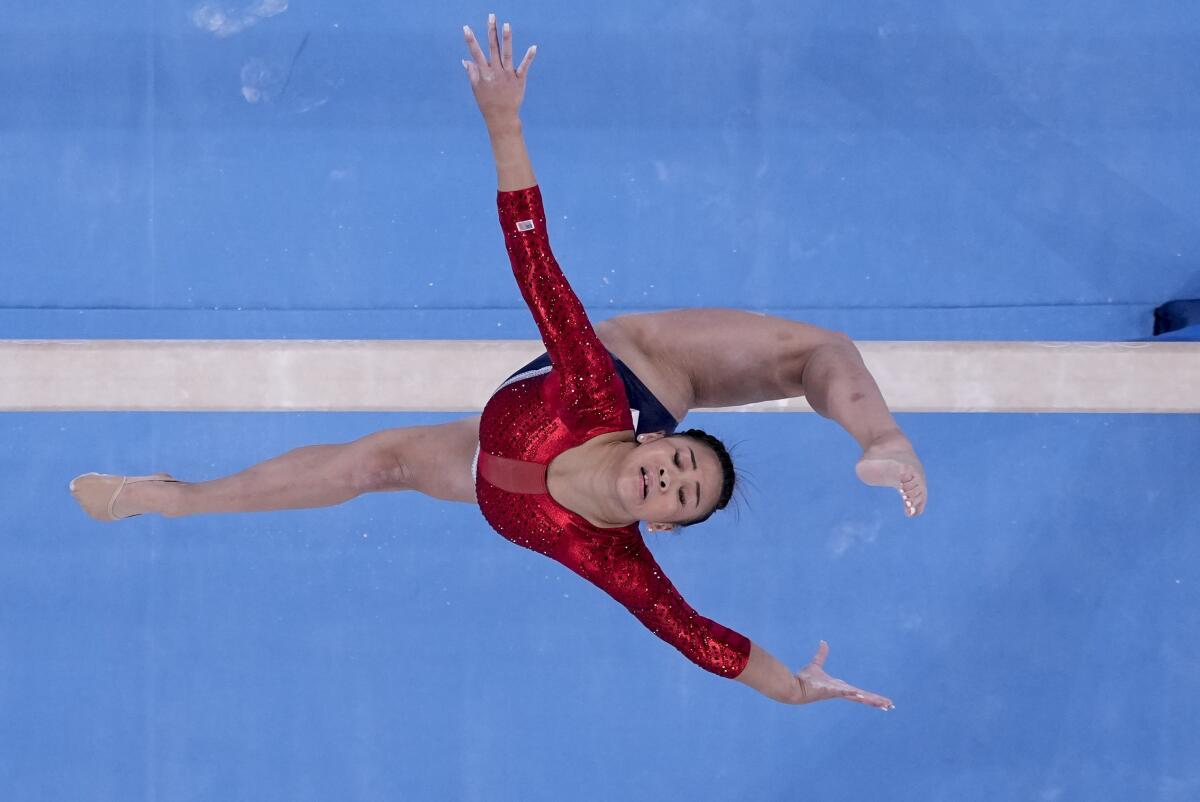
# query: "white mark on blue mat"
259,79
222,22
851,534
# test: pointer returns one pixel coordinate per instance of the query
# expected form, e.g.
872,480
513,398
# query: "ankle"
170,499
888,439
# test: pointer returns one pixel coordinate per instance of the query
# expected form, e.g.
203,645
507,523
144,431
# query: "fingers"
870,699
473,46
506,50
823,686
500,55
845,690
493,40
472,72
528,60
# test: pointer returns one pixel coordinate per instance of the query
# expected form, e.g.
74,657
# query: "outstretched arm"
624,568
772,678
499,89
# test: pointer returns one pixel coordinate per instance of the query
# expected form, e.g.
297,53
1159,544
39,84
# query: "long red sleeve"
588,384
531,420
620,564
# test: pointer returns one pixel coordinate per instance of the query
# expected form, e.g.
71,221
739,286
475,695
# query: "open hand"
499,88
816,685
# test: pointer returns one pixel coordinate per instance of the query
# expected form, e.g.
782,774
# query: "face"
670,479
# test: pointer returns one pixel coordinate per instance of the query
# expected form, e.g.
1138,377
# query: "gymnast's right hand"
499,89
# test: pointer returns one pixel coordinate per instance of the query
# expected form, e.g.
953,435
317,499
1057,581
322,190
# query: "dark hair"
728,475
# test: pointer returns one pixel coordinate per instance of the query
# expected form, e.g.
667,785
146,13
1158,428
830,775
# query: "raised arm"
592,392
499,90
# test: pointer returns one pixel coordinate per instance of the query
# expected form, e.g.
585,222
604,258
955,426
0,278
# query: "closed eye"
679,465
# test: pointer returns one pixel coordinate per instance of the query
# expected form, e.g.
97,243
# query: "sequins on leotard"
536,419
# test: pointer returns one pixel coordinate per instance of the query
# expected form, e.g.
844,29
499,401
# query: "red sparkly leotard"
531,420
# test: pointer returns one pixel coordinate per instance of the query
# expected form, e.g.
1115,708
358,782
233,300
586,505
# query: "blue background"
980,170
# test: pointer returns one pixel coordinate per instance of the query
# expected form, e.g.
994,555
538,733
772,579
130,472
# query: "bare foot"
891,462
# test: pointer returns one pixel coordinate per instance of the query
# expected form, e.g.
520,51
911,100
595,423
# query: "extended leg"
312,476
435,460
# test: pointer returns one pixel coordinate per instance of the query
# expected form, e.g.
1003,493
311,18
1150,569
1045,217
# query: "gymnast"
579,446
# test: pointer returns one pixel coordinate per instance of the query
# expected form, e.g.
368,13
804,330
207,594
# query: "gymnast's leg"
435,460
693,358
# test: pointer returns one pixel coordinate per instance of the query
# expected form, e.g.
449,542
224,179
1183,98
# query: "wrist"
790,694
503,124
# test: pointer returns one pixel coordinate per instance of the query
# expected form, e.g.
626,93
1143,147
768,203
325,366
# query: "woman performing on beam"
556,462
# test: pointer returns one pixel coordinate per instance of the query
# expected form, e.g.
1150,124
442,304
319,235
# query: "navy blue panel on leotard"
651,415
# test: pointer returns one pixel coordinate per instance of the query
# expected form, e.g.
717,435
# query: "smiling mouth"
645,484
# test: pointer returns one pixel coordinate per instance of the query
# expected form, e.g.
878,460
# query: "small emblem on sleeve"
525,225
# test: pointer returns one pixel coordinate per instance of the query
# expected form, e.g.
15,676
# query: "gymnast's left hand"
499,88
814,685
